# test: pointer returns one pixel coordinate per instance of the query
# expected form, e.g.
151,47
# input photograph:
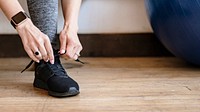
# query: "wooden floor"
107,85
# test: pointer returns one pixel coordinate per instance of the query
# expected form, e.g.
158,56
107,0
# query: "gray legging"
44,14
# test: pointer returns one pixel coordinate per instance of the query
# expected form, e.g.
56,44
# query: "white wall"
101,16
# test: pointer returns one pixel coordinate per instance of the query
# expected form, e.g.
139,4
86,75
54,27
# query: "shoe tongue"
58,69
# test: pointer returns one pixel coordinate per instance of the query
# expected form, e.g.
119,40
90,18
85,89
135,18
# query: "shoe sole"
40,84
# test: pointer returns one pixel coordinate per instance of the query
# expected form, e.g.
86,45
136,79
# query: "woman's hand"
35,41
69,42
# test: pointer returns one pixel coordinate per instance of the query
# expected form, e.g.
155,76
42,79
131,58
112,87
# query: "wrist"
19,18
25,24
70,26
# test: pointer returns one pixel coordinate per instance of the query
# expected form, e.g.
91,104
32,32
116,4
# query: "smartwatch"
18,18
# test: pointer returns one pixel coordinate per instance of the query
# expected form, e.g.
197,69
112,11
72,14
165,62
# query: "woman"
39,39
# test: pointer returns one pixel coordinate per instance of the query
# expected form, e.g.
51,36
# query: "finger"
37,54
70,51
75,57
65,56
62,53
31,55
49,51
34,50
76,53
63,42
43,53
79,49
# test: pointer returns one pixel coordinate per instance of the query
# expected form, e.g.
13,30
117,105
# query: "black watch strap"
13,24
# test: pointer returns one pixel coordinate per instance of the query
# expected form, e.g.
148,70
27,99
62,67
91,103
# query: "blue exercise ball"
177,25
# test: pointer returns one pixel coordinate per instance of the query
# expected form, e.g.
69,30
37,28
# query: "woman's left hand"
69,42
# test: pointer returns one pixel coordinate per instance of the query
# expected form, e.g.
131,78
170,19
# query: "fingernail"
38,61
52,61
47,60
62,51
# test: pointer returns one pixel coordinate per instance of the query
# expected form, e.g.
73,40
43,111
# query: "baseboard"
98,45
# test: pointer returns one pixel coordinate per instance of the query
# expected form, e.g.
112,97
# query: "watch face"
19,17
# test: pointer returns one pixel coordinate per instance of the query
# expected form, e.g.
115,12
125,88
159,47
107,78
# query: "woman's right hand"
35,41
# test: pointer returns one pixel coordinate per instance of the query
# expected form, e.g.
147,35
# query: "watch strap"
13,24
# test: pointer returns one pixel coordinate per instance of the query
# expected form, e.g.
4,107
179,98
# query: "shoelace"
31,62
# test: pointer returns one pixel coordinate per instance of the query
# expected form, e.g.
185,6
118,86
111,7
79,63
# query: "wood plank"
107,85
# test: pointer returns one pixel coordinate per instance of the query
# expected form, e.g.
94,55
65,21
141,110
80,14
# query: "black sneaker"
54,79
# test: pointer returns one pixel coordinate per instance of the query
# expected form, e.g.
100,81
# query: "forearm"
10,7
70,12
69,40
